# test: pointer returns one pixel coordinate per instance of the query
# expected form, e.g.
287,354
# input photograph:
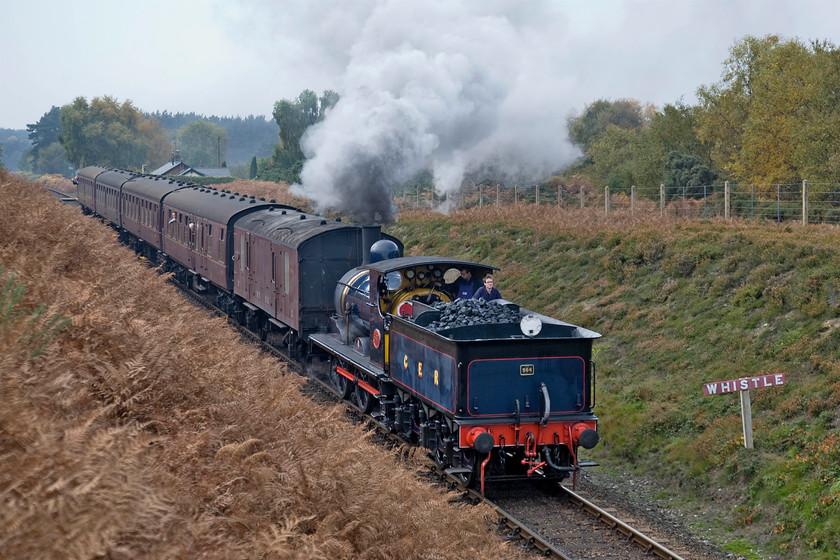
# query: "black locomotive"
492,390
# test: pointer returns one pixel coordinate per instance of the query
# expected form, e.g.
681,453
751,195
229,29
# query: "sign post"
743,385
746,419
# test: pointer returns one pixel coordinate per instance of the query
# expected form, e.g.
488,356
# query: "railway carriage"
108,194
142,216
85,181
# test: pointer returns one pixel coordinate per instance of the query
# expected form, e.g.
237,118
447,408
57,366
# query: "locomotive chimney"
370,235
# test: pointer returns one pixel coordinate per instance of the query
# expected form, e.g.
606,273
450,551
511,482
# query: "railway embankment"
681,304
136,425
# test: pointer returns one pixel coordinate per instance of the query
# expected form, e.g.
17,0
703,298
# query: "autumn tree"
775,115
106,132
202,144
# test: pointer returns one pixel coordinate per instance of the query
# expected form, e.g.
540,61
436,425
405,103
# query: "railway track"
64,197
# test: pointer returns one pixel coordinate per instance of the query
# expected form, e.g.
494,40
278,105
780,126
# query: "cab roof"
400,263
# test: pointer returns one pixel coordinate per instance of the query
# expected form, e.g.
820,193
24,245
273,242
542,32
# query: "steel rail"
649,545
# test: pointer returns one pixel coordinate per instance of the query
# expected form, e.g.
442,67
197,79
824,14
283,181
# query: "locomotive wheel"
342,386
470,479
363,399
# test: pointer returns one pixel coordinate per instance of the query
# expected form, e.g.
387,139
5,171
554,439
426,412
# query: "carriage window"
242,254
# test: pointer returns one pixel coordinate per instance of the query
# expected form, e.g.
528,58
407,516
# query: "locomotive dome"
383,249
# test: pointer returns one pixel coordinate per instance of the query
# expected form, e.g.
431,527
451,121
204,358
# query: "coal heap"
466,312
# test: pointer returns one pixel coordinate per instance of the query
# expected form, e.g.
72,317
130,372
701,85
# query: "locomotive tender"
490,399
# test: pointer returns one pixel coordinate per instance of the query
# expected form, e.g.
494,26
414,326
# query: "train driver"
465,286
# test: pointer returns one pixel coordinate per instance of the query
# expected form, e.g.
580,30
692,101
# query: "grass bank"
680,304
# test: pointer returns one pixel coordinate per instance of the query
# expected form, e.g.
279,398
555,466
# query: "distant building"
177,167
210,171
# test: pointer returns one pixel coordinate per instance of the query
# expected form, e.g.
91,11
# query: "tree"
46,155
591,125
52,160
683,170
45,131
252,173
293,118
613,156
202,144
328,101
106,132
670,130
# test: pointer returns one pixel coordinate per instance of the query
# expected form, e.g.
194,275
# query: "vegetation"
146,429
773,118
46,155
105,132
247,136
681,304
202,144
293,118
14,143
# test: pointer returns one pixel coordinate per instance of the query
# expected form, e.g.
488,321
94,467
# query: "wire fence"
789,202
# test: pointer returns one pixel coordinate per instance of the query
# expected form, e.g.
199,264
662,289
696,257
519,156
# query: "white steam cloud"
454,87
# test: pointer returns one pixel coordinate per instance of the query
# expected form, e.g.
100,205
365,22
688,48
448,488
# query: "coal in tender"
471,312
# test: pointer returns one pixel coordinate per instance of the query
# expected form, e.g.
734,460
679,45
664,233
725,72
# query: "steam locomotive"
500,393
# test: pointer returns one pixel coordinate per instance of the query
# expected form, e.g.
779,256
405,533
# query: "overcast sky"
230,57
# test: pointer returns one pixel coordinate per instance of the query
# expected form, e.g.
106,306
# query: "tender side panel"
423,370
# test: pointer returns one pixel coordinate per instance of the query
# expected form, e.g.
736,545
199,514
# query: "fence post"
417,205
805,202
633,200
726,200
480,195
778,204
559,195
538,195
515,194
582,197
606,201
661,200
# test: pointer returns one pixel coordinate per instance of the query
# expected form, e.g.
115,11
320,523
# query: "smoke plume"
454,87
